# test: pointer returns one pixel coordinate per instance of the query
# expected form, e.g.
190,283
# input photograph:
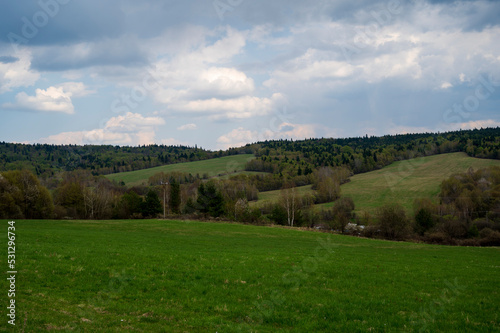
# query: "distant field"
213,167
400,182
272,196
181,276
404,181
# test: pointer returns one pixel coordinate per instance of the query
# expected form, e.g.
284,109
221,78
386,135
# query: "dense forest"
364,154
285,157
67,182
47,160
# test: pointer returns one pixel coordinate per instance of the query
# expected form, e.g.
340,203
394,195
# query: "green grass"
213,167
273,196
402,182
175,276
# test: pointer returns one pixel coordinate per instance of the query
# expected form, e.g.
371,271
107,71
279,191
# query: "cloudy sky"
228,72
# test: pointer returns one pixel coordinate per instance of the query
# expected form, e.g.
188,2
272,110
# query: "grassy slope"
275,195
404,181
172,276
213,167
400,182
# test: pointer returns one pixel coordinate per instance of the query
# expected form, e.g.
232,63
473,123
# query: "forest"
68,182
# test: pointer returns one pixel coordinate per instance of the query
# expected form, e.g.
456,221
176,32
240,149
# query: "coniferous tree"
210,201
151,207
175,197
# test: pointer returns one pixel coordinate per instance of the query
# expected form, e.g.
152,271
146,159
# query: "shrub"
392,222
453,227
489,237
279,215
371,231
423,221
438,237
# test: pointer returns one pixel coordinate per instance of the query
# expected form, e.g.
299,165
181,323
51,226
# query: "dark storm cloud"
108,52
8,59
60,24
85,21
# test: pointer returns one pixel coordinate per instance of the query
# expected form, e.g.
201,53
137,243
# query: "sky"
224,73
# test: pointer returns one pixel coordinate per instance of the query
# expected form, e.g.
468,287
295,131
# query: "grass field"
213,167
272,196
399,182
404,181
175,276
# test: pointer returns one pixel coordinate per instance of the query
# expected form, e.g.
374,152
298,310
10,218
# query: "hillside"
46,160
399,182
286,157
404,181
363,154
206,169
179,276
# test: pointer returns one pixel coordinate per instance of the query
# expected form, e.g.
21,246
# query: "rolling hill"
400,182
210,168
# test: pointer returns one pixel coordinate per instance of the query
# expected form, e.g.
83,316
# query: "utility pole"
164,184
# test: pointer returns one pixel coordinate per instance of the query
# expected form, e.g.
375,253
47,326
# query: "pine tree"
151,206
175,197
210,200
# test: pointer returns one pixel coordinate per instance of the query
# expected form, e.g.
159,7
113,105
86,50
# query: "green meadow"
183,276
400,182
213,167
404,181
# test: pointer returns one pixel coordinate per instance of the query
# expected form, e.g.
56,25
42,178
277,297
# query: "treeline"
363,154
47,160
281,157
81,195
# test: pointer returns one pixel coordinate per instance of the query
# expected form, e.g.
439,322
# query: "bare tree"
96,201
289,200
29,187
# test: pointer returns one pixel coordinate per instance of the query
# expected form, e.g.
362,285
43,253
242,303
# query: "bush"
453,227
279,215
489,237
342,211
483,223
469,242
371,231
438,237
392,222
423,221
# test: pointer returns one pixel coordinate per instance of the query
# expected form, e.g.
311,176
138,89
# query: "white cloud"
133,122
76,89
235,108
129,129
17,74
401,49
187,127
224,49
96,136
239,137
224,82
174,142
197,82
469,125
51,100
446,85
